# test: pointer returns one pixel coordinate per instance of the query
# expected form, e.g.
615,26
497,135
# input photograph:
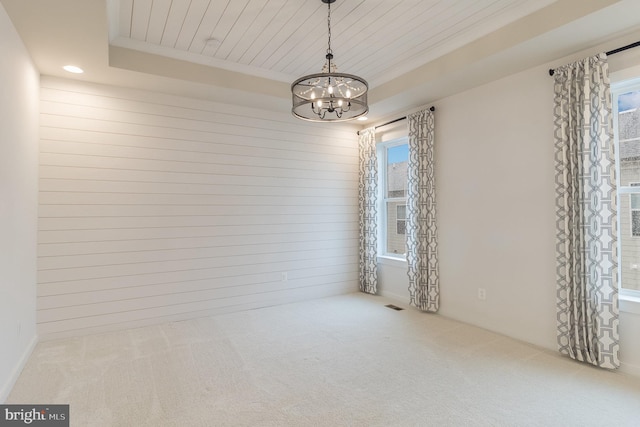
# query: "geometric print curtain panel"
586,214
422,239
367,207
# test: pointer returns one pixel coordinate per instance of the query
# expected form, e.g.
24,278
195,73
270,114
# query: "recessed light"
73,69
363,118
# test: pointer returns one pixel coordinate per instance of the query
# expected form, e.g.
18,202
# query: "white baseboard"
396,297
627,368
17,370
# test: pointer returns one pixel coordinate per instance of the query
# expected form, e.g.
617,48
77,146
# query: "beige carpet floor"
340,361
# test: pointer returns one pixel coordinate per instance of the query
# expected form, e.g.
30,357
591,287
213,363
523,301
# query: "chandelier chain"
329,27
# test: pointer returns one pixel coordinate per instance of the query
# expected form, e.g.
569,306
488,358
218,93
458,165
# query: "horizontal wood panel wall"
156,208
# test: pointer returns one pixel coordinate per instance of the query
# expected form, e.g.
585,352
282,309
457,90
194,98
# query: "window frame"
382,148
618,89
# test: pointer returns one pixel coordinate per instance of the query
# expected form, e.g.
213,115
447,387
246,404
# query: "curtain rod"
432,108
611,52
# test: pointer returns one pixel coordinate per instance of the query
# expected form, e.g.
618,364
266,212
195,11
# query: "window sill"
392,261
629,304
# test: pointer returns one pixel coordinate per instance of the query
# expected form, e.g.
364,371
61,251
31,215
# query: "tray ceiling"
284,39
412,52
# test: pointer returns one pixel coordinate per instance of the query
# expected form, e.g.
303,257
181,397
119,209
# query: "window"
626,108
394,157
401,219
635,211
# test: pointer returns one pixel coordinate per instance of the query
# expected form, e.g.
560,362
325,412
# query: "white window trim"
382,206
629,300
392,261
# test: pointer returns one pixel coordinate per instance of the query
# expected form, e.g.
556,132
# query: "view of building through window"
628,152
397,157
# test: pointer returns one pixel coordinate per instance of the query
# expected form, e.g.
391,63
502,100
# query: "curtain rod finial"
551,71
432,108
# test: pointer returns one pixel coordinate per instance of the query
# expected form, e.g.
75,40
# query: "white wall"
496,205
494,177
18,203
156,207
496,213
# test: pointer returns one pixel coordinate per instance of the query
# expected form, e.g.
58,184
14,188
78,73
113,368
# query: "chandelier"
329,96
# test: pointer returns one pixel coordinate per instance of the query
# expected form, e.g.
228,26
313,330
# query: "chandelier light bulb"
340,103
320,104
348,93
330,90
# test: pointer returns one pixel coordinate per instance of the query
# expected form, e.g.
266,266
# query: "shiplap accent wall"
155,208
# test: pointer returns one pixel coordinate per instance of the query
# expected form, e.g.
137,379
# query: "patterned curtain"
587,292
422,241
367,197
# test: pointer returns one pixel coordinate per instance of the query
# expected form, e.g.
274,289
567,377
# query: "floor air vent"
394,307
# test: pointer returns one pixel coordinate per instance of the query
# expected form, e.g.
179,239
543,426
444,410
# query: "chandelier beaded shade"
329,96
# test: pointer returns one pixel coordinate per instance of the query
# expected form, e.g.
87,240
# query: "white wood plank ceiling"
285,39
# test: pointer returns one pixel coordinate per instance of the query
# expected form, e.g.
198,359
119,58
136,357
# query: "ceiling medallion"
329,96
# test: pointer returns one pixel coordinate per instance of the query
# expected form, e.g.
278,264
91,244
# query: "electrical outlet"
482,294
